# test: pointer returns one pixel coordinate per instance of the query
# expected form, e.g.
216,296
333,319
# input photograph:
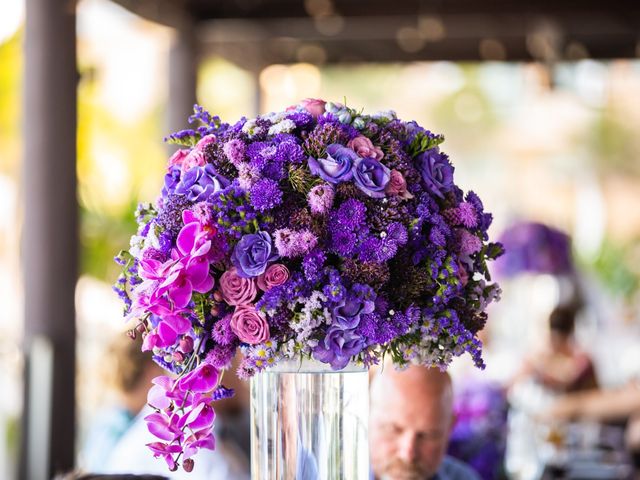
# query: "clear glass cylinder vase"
309,422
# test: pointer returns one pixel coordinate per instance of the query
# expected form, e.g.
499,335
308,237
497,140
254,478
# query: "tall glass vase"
309,422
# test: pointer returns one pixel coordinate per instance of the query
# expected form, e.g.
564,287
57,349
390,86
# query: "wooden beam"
50,238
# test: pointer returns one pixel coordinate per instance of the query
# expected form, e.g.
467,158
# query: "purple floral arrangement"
480,433
317,232
535,248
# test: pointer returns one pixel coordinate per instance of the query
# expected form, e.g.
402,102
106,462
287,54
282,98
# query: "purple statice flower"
436,171
253,253
294,243
334,289
234,150
371,176
337,166
199,183
312,265
338,347
265,195
320,198
222,392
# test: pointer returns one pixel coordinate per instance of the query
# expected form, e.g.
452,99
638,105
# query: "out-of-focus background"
543,133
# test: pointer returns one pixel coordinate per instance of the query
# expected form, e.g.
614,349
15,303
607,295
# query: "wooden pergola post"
183,72
50,238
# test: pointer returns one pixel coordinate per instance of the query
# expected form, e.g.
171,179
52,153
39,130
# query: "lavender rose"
235,289
336,167
347,314
371,177
199,183
436,171
398,186
337,347
252,254
274,276
364,148
249,325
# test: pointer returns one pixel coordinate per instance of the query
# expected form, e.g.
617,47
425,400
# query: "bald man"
410,422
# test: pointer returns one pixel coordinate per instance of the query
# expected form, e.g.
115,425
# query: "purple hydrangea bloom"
199,183
337,166
337,347
436,171
253,253
371,176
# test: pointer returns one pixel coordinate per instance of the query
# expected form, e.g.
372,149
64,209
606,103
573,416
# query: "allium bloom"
320,198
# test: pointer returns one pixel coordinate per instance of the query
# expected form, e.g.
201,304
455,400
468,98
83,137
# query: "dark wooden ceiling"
259,32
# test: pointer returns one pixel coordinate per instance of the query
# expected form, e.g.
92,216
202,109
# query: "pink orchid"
166,451
197,441
202,379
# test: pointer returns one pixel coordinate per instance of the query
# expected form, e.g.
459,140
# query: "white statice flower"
136,245
275,117
285,126
251,128
387,115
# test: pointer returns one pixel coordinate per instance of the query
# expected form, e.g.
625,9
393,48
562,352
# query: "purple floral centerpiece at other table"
317,232
535,248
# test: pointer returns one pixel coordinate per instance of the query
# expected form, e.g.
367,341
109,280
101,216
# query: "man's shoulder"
452,469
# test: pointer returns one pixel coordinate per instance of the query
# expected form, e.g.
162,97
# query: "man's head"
410,422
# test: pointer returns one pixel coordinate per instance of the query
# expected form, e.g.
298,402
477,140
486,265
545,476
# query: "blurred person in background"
560,365
127,374
410,423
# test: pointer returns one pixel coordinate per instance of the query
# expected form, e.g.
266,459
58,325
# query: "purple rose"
436,171
371,176
199,183
336,167
252,254
337,347
347,314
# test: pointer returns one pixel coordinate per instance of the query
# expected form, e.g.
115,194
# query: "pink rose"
204,141
276,274
195,158
364,148
249,325
314,106
235,289
398,185
178,157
